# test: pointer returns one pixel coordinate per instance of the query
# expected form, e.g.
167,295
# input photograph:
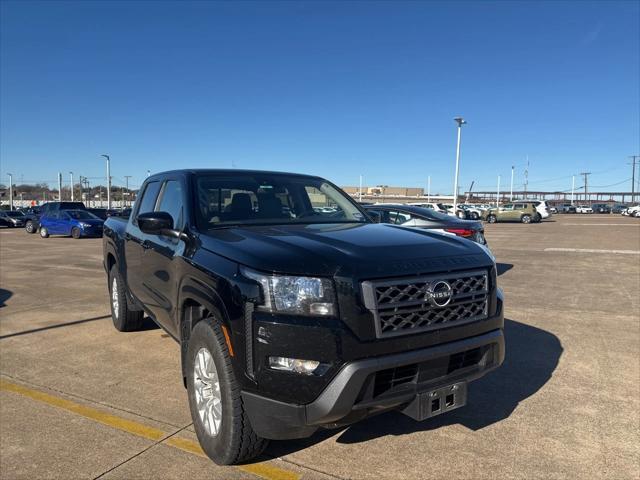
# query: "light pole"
10,191
511,193
360,190
59,186
498,194
71,175
148,173
126,179
573,187
429,189
460,121
108,181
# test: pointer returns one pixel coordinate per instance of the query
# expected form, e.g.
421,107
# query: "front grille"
412,305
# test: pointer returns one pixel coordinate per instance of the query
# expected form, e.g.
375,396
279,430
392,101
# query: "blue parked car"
77,223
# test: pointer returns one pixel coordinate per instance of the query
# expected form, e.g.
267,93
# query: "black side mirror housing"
155,223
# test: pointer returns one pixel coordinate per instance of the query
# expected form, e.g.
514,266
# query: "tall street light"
511,191
10,191
108,181
71,175
461,121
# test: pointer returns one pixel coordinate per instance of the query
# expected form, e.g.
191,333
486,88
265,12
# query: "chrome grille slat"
402,306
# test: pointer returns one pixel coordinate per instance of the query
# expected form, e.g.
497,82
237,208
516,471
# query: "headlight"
299,295
85,225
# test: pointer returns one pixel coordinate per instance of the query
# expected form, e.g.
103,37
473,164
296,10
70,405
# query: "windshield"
81,215
265,199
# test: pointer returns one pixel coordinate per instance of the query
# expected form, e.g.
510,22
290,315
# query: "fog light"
296,365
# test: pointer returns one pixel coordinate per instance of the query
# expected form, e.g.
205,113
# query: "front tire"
492,219
474,216
124,319
75,233
44,233
217,409
526,219
30,227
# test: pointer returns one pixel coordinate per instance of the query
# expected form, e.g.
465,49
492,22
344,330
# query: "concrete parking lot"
80,400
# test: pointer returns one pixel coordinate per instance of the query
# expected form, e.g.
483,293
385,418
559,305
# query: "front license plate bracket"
435,402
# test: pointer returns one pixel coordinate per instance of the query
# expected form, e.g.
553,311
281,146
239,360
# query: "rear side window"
519,206
148,201
171,202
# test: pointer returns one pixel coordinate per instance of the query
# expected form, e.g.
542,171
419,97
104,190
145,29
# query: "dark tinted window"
265,198
80,215
148,201
71,206
171,202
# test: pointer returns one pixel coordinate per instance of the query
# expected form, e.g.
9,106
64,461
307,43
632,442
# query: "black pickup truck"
292,317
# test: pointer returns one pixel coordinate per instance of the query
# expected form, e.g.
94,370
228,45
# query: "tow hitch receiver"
434,402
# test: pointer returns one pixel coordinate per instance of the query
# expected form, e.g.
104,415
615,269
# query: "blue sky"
331,88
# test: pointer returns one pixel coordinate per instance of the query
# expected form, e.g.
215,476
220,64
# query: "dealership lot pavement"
80,400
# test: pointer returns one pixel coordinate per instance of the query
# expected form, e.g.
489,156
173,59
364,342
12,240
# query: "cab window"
148,200
171,201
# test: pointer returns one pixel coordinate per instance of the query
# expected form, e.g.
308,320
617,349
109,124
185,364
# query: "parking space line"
263,470
593,250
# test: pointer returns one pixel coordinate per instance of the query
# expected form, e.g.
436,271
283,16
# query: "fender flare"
195,290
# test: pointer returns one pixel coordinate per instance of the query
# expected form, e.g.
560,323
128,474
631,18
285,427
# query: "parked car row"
480,211
61,218
593,208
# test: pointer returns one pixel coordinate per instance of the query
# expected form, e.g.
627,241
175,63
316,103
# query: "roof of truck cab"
226,171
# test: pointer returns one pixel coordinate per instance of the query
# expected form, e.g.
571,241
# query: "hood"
367,250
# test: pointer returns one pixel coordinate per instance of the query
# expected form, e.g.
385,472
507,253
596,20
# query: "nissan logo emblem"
440,293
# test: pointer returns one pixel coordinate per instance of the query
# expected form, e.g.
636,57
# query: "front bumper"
92,231
364,387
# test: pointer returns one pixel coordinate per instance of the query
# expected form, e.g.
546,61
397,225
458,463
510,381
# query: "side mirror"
155,223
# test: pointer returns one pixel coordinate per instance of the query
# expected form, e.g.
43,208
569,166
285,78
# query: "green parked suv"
524,212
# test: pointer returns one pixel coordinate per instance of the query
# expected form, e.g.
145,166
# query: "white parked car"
541,207
632,211
474,212
553,210
441,207
584,209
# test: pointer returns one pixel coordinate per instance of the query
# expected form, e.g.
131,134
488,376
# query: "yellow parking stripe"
263,470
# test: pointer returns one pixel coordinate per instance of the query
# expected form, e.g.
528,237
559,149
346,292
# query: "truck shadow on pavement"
4,296
503,268
532,355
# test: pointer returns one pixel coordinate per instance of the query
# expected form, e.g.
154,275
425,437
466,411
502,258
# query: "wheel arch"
197,301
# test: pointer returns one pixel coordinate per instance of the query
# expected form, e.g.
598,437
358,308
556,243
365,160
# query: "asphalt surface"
80,400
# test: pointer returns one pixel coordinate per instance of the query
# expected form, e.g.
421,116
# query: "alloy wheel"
207,390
